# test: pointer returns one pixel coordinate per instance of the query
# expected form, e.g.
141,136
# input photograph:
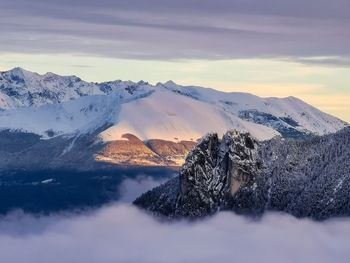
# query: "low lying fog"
122,233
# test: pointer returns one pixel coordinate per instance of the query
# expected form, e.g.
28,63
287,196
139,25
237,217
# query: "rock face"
306,178
215,171
212,174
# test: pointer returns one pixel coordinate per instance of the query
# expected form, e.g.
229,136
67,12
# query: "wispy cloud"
325,61
178,29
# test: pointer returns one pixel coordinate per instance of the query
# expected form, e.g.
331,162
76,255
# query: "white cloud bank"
122,233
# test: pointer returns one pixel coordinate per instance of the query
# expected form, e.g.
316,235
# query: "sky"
269,48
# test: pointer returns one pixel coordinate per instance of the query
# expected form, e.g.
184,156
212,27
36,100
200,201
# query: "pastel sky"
269,48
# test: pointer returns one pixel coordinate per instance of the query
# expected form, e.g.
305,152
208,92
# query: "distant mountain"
67,110
306,178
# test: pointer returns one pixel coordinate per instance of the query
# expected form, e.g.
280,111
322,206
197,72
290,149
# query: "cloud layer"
122,233
178,29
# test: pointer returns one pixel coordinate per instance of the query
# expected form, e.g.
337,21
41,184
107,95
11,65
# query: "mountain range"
49,121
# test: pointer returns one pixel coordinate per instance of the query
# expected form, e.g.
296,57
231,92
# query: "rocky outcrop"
213,173
306,178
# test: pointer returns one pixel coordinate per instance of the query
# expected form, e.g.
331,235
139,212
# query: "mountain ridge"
64,107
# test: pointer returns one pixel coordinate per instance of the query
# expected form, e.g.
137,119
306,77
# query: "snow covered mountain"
21,88
306,178
53,106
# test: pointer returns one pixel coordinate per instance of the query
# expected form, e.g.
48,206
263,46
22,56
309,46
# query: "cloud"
121,233
325,61
130,189
184,29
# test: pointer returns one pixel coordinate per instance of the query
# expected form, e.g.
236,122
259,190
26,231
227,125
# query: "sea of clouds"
120,232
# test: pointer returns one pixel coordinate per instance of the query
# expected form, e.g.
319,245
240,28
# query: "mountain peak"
19,74
51,74
18,71
170,83
142,82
